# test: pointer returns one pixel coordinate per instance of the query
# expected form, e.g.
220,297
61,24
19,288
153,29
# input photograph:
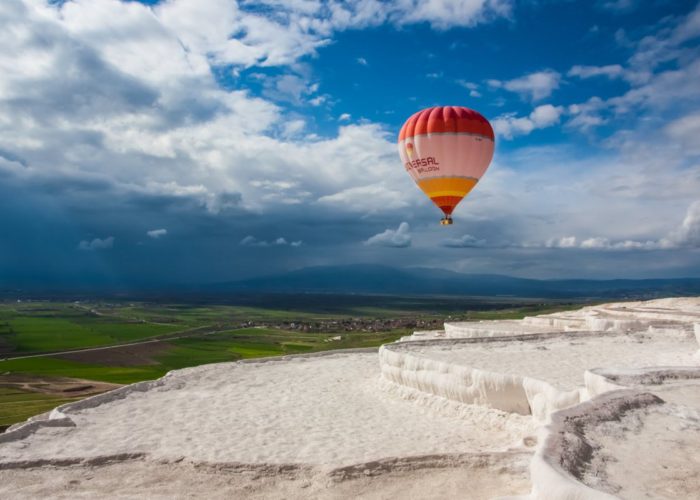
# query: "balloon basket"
447,221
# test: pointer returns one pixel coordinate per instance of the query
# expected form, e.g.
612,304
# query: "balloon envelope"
446,150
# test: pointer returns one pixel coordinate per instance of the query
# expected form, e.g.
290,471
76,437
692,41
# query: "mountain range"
377,279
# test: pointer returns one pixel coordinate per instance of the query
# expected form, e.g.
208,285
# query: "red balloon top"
440,119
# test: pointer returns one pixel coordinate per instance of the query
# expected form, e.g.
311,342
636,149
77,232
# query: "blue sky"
183,141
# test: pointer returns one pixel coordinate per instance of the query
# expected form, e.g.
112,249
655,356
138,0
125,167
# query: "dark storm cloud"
95,149
12,157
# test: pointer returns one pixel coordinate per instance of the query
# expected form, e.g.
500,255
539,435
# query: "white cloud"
397,238
472,87
141,110
362,61
156,233
685,235
467,85
372,198
688,28
587,115
180,135
536,86
688,234
686,131
651,88
318,100
605,244
97,244
250,241
610,71
344,117
564,242
546,115
293,89
466,241
542,116
443,14
292,128
599,243
142,114
620,5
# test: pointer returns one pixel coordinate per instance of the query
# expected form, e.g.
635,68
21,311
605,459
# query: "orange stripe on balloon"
447,203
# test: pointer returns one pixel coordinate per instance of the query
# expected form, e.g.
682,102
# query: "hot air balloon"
446,150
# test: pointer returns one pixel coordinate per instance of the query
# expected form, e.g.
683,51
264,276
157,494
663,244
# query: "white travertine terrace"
466,400
479,329
530,374
663,315
638,439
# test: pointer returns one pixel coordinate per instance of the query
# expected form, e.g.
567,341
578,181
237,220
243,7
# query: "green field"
57,327
184,335
181,353
17,405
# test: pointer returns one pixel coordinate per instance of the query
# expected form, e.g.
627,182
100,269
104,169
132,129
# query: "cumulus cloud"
587,115
466,241
564,242
543,116
443,14
397,238
687,235
156,233
599,243
362,61
610,71
344,117
685,131
471,86
160,125
141,111
108,102
292,88
124,93
606,244
651,88
535,86
293,128
97,244
372,198
250,241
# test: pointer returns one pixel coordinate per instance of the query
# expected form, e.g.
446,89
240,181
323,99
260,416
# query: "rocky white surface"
531,374
320,410
480,329
639,441
670,316
433,417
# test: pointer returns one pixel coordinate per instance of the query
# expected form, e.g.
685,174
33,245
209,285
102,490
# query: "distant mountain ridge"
428,281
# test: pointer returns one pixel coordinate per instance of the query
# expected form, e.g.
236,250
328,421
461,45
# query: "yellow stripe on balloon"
447,186
433,194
